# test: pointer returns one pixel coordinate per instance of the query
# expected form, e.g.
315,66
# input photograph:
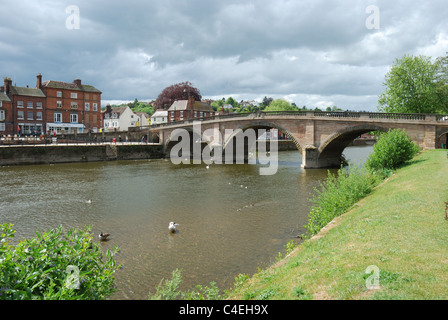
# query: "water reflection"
231,219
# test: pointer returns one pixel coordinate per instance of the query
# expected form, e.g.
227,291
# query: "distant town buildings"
182,110
52,106
159,117
122,118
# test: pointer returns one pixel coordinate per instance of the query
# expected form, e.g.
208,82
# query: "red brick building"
6,119
50,106
72,107
25,112
189,109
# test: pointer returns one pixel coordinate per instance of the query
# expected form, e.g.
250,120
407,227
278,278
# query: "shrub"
338,193
391,151
55,265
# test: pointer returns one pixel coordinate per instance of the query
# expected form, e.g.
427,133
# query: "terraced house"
72,107
52,106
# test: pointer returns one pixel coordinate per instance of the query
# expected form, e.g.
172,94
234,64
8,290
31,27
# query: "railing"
317,114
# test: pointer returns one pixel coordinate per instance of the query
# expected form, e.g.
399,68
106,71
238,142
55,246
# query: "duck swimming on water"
103,236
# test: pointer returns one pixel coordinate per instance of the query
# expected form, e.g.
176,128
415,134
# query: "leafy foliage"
337,194
415,85
392,150
280,105
168,289
55,265
179,91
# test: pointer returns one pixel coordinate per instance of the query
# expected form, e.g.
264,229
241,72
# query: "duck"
89,201
172,227
103,236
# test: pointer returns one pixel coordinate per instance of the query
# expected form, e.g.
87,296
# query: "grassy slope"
400,228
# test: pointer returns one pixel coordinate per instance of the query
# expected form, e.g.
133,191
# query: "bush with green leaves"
392,150
337,194
168,289
55,265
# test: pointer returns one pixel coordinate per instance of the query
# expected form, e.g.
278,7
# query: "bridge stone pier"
320,137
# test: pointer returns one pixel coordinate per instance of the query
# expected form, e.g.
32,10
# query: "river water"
231,219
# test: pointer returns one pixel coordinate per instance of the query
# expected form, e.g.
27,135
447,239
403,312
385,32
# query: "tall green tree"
413,85
280,105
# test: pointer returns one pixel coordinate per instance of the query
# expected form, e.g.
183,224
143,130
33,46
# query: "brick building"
50,106
6,119
189,109
24,114
72,107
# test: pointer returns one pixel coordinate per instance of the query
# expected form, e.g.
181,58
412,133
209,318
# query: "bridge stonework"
320,137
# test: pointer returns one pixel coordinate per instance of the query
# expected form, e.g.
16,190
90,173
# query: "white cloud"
314,52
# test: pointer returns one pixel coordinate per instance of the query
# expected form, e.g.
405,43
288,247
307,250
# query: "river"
231,219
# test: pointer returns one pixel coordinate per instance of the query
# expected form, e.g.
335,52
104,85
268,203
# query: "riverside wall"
50,154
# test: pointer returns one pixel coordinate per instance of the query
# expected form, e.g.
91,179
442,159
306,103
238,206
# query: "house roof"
183,105
69,86
4,97
142,114
30,92
160,113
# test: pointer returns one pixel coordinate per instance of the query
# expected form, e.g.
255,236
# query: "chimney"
191,102
108,109
77,82
8,85
39,81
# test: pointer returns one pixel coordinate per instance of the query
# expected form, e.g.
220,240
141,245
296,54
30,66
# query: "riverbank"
72,153
399,231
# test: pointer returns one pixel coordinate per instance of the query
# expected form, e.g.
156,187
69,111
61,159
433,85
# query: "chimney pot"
39,81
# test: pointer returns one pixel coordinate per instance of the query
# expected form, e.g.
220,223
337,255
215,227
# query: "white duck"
172,227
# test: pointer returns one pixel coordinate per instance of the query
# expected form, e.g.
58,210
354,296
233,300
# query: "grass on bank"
399,228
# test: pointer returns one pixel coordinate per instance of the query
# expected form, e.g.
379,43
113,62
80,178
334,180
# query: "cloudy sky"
316,53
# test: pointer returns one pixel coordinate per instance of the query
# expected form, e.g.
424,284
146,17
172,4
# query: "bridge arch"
262,124
330,151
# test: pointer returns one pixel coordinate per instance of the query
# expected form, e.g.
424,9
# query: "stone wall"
24,155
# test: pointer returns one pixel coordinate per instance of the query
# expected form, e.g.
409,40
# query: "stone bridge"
320,137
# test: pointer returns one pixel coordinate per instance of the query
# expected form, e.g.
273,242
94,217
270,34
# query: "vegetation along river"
231,219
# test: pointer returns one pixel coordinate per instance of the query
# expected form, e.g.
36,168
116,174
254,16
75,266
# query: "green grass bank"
400,229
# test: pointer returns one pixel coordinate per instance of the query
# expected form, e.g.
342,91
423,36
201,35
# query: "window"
74,118
87,106
39,105
58,104
1,104
2,115
20,115
74,95
200,114
95,107
2,127
86,96
59,94
74,105
29,104
38,115
29,115
58,117
195,114
20,104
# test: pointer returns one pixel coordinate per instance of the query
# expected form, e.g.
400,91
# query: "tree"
179,91
280,105
414,85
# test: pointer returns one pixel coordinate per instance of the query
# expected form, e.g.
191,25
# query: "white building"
159,117
120,118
